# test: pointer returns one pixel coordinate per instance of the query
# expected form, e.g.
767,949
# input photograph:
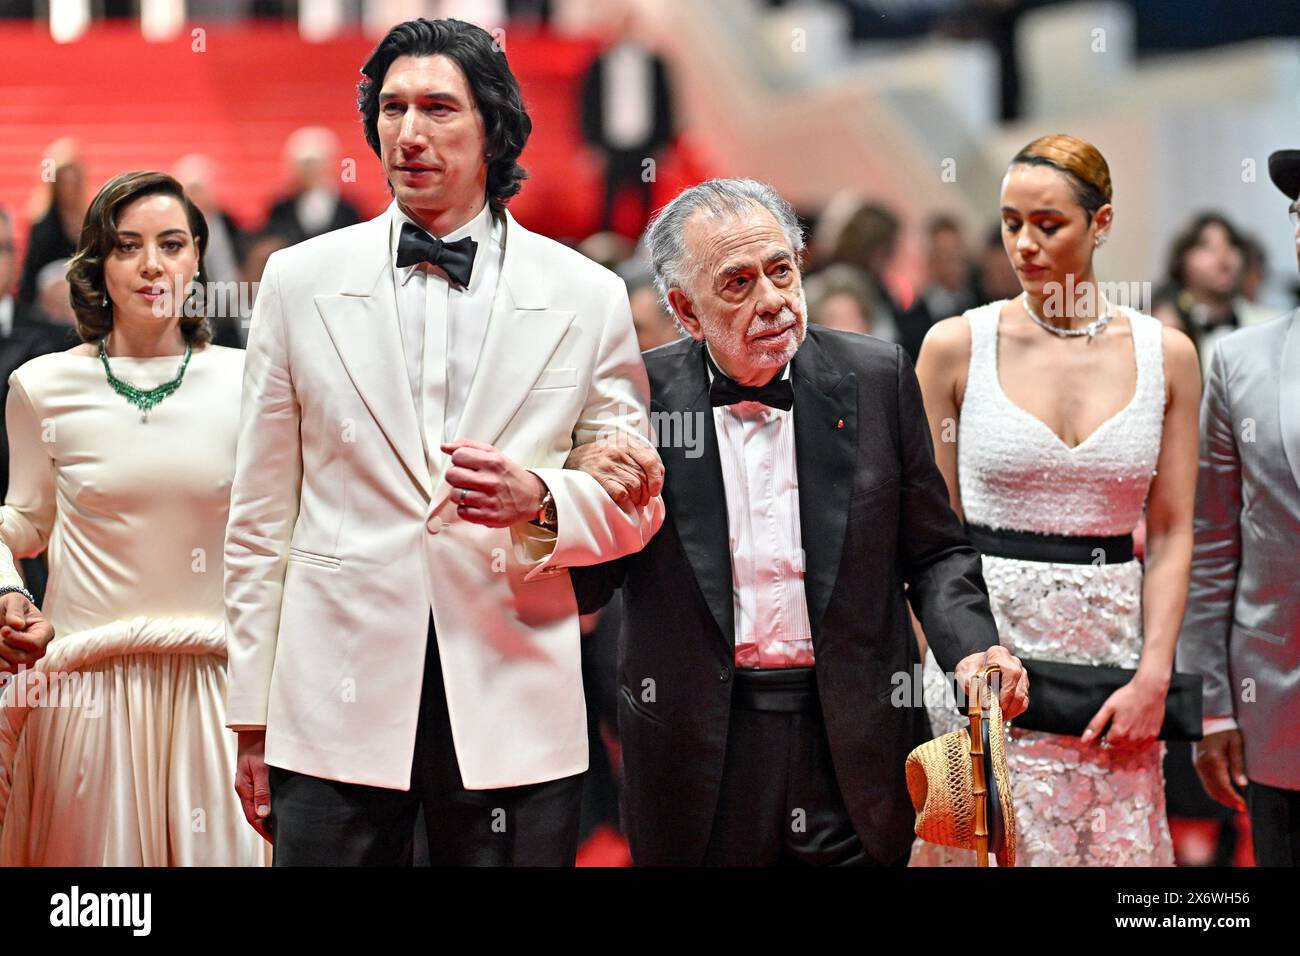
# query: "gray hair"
722,197
50,273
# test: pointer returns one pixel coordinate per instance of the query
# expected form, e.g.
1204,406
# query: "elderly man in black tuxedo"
766,637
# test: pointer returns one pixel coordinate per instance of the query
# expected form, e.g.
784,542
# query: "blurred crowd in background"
1211,284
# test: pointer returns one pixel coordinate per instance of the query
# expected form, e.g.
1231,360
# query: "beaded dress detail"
1077,804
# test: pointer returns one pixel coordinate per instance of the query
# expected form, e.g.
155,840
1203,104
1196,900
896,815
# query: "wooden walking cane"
980,790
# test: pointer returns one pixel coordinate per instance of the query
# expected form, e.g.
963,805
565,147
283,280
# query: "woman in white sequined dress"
1062,440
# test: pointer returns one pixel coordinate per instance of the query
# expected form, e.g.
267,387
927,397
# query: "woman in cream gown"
117,753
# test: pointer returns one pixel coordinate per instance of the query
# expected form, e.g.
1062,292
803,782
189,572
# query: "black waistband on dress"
1051,548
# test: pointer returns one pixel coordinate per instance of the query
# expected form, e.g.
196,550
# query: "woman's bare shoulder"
1178,346
1182,365
948,342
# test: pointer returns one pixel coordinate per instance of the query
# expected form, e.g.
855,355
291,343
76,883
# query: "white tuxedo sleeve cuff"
1216,725
592,528
533,545
9,576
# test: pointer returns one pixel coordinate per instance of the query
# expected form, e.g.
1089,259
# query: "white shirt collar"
7,316
479,229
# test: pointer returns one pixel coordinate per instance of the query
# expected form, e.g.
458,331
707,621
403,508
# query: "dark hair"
1080,161
496,93
871,229
1190,236
1253,253
99,239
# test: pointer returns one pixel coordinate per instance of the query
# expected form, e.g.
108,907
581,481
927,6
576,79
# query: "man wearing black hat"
1242,627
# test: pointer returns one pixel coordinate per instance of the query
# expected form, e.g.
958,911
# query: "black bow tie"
454,258
778,393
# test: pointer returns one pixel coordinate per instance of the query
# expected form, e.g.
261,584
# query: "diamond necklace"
1090,330
141,398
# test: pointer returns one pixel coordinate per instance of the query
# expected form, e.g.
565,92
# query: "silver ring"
463,492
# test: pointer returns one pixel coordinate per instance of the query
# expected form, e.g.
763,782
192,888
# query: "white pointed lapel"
522,335
362,322
1288,391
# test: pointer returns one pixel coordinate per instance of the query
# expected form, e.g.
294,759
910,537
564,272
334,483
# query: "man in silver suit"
1242,627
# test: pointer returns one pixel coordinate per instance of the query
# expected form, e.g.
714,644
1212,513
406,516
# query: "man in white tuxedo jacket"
402,628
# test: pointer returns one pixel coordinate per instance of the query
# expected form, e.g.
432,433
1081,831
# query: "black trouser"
36,574
780,803
624,169
600,687
318,822
1274,824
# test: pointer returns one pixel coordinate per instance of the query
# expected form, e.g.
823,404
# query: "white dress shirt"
759,475
442,325
1214,725
627,96
6,316
315,210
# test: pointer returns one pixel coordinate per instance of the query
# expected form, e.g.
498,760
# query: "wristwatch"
546,517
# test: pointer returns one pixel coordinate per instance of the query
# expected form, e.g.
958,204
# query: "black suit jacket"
30,336
661,105
874,516
283,220
46,243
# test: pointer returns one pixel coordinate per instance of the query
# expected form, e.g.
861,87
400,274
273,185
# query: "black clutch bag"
1063,698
